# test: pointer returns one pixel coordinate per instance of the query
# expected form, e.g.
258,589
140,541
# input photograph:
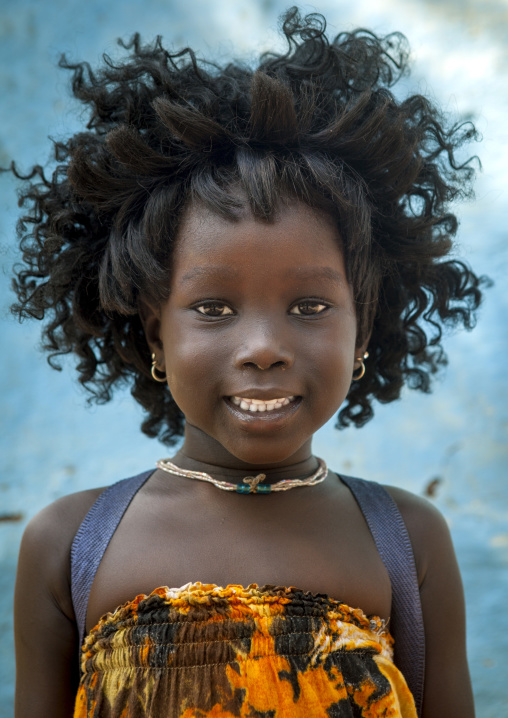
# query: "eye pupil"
214,309
310,307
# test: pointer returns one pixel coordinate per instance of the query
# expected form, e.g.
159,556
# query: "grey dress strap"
93,537
392,541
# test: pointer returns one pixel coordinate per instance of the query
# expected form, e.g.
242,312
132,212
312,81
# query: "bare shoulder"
415,509
45,632
427,528
64,514
61,519
46,543
447,689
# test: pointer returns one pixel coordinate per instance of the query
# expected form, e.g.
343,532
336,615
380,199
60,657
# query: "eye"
214,309
308,308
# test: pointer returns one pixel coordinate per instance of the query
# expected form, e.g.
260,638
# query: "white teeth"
261,405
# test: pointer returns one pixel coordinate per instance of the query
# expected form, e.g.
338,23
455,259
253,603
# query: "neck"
298,470
201,452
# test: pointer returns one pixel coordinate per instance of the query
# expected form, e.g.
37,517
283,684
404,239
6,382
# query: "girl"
251,250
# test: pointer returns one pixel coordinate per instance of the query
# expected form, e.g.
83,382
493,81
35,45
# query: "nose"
263,345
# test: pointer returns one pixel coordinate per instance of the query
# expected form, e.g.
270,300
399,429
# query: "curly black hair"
317,124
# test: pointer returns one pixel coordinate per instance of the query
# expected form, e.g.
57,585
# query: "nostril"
264,353
251,365
254,365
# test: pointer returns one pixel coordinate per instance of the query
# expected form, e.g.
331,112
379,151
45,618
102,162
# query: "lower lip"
263,418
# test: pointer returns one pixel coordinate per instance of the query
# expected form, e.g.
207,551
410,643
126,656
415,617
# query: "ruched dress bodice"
201,651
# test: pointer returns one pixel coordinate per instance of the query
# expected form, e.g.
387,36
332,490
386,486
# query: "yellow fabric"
202,652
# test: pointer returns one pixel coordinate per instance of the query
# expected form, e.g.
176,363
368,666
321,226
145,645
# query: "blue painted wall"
51,444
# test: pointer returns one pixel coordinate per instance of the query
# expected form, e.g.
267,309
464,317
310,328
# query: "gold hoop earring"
154,369
361,368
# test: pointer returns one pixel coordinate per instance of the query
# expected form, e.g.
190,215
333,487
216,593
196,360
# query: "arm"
447,690
46,637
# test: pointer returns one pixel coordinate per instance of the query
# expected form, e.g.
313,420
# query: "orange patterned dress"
201,651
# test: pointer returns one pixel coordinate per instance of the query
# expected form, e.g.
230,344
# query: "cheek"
336,349
191,364
334,365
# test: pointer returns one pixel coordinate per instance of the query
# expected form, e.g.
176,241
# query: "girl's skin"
261,310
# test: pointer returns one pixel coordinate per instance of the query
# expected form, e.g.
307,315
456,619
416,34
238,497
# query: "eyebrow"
210,272
300,273
319,273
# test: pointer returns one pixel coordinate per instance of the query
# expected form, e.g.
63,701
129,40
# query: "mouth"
261,405
263,414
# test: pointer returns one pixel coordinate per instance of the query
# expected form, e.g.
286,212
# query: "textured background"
51,444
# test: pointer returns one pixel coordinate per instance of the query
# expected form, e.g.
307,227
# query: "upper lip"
264,394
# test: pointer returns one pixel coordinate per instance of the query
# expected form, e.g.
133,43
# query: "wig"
317,124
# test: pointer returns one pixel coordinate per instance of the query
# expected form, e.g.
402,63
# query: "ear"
150,319
360,351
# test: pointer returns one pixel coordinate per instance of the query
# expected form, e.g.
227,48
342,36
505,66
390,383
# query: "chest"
318,542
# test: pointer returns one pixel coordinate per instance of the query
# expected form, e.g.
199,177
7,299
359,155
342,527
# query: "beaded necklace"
250,484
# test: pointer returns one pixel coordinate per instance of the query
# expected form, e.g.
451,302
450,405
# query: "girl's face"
258,336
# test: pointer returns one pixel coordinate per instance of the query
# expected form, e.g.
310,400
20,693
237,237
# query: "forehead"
296,232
